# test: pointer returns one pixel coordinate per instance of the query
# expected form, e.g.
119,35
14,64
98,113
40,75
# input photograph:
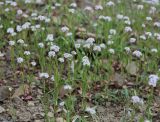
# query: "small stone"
24,116
31,103
100,109
38,121
5,92
50,114
2,109
132,68
59,119
17,101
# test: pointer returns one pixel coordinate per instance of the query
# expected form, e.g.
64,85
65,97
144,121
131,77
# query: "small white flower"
25,15
156,34
112,32
154,50
132,40
120,16
64,29
50,37
69,34
13,34
106,18
74,5
147,121
103,45
13,4
57,4
20,41
157,24
143,25
20,60
90,41
97,48
149,18
98,7
61,103
71,10
158,38
19,28
25,45
34,14
87,45
67,55
111,51
88,8
152,1
152,10
1,3
77,45
67,87
136,99
127,22
55,48
1,54
143,37
37,26
61,60
85,61
52,78
47,20
110,3
137,53
26,25
10,30
41,18
11,43
74,52
19,12
127,49
149,34
110,42
40,2
44,75
6,10
27,53
128,29
51,54
41,45
153,80
27,1
90,110
33,63
140,7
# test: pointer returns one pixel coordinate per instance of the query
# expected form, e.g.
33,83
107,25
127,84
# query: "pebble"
50,114
31,103
2,109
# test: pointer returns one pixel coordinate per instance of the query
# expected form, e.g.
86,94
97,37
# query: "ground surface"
79,61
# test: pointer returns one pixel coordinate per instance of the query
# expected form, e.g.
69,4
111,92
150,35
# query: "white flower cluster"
153,80
137,53
137,100
50,37
90,110
85,61
67,87
105,18
20,60
44,75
